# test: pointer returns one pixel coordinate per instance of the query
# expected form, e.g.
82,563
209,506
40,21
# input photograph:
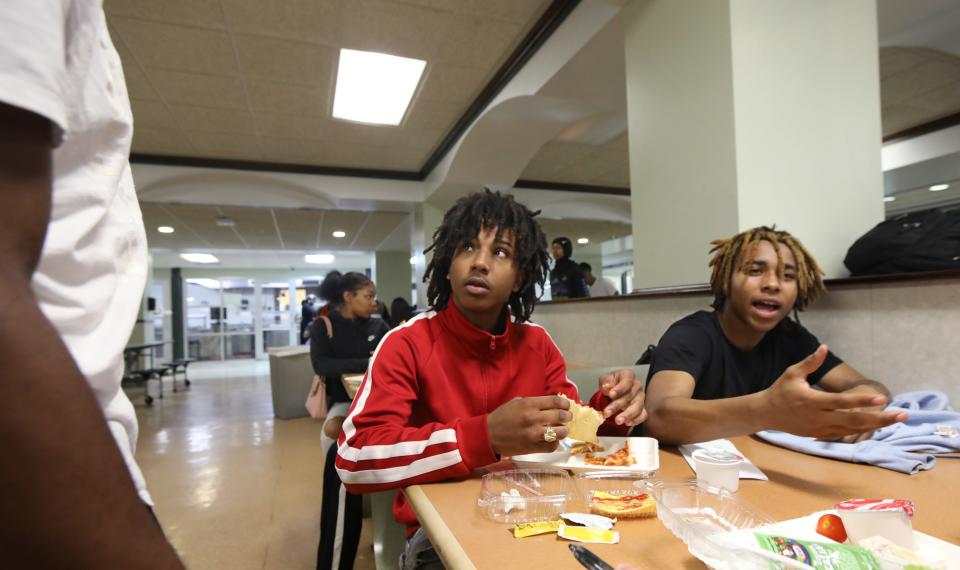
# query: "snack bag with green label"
820,555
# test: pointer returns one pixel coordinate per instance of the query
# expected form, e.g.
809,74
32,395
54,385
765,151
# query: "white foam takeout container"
645,451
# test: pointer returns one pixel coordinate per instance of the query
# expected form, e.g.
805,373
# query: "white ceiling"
250,80
232,79
238,80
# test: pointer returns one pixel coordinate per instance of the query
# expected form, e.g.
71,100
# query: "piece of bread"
585,422
623,506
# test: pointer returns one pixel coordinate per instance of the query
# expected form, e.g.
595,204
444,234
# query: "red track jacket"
420,415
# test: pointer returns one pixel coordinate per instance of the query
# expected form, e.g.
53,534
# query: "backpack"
918,241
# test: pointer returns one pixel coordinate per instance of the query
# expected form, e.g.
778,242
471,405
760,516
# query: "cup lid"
717,456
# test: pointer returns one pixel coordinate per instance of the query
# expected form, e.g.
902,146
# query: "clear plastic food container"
612,482
526,495
717,527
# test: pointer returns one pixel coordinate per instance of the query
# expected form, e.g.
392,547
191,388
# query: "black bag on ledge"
918,241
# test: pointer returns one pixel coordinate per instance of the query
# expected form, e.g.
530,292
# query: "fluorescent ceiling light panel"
939,187
320,258
339,234
889,198
200,257
165,230
375,87
583,240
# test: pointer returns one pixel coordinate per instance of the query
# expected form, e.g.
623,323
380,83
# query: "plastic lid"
717,456
904,505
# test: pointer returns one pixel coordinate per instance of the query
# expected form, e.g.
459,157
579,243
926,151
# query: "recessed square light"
339,234
165,230
200,257
375,87
583,240
319,258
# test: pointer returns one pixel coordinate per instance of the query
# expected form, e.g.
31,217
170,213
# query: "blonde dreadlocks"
726,256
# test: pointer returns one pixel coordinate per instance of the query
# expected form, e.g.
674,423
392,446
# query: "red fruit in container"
831,527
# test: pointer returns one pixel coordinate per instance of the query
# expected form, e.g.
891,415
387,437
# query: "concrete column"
258,351
426,219
745,113
393,275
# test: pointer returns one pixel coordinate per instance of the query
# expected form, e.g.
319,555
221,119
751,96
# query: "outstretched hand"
795,407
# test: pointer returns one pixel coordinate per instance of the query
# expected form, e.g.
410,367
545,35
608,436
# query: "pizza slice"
623,506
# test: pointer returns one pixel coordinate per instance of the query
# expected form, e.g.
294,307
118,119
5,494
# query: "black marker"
588,559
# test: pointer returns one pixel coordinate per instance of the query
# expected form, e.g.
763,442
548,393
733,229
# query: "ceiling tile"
451,84
293,126
618,177
380,135
540,170
942,101
196,13
283,60
916,81
299,228
472,41
225,145
397,29
255,226
897,118
524,12
378,227
200,221
296,150
179,48
894,60
137,84
213,120
433,115
160,141
151,114
343,220
288,99
202,90
304,20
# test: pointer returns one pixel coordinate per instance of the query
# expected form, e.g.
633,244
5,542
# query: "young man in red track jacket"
455,388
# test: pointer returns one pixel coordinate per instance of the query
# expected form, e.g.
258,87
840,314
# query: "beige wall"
905,334
745,113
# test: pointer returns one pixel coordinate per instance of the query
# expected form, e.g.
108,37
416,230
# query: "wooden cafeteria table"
799,485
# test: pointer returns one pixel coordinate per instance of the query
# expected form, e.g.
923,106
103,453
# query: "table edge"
443,540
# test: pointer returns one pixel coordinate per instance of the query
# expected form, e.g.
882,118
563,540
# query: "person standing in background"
566,281
308,310
74,258
599,286
343,348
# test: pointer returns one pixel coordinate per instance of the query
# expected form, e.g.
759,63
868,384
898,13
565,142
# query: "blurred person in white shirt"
599,286
74,268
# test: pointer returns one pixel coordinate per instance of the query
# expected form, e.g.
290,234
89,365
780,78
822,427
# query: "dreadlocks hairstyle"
726,255
463,222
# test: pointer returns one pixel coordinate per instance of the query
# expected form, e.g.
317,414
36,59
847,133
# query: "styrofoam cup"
718,468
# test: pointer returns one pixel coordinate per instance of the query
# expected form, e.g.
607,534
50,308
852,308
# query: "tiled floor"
233,486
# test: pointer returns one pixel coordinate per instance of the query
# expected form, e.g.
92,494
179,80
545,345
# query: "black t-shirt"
696,345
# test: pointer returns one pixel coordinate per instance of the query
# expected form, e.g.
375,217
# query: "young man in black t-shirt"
746,366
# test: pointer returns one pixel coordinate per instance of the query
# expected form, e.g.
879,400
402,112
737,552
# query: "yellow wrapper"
587,534
524,530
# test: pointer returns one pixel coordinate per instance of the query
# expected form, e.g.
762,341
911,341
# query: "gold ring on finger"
549,434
